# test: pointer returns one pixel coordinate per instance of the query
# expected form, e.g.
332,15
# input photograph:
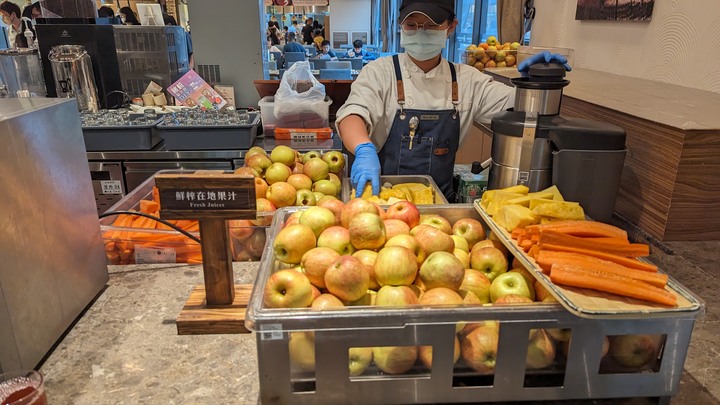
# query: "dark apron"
432,148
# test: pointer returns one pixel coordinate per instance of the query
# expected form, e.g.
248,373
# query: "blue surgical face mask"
424,44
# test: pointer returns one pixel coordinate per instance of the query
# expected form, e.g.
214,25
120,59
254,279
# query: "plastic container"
525,52
318,117
398,179
590,177
125,245
126,137
184,137
318,371
267,112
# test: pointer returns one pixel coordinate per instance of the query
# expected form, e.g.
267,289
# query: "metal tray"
399,179
594,304
181,137
336,331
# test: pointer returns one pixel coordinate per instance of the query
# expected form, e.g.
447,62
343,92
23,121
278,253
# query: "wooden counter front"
670,186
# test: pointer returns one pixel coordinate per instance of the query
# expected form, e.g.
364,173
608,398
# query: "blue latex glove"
541,57
365,168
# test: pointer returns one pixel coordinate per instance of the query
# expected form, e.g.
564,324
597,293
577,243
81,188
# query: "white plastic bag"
300,99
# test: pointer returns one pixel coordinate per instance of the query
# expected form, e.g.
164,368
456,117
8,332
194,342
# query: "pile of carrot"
120,244
594,255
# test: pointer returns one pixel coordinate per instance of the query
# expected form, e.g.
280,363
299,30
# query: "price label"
111,186
154,255
271,332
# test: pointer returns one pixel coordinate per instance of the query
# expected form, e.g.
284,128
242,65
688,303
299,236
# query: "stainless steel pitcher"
73,74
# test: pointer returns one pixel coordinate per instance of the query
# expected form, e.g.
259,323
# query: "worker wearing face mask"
11,17
415,107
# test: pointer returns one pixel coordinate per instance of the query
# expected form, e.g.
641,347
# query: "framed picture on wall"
628,10
339,38
361,35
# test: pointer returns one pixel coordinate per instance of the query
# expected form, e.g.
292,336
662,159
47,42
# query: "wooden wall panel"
695,208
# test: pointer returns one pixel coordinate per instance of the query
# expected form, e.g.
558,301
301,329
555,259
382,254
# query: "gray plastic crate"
124,137
183,137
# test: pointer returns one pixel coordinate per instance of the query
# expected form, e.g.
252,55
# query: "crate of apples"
284,177
491,53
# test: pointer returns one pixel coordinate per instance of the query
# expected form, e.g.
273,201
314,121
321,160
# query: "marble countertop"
125,348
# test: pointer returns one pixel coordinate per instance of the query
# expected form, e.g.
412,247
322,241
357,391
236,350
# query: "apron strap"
398,78
455,91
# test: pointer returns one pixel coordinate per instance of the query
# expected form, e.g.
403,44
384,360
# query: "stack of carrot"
120,244
594,255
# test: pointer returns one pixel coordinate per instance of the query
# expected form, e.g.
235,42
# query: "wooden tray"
590,303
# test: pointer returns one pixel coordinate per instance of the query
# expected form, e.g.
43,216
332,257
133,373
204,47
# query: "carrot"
546,259
625,261
584,229
156,195
534,250
148,206
193,260
526,244
575,276
517,232
629,250
610,241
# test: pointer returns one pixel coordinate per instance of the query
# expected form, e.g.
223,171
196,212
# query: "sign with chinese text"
191,90
206,196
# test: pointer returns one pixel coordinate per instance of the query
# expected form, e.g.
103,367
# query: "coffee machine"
534,146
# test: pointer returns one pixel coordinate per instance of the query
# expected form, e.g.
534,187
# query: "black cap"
436,10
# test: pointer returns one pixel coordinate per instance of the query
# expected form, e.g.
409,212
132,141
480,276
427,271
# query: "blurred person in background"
307,31
292,45
358,52
325,52
33,11
127,16
317,39
106,12
12,18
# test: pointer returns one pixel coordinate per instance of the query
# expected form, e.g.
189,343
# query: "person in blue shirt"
358,52
291,45
326,53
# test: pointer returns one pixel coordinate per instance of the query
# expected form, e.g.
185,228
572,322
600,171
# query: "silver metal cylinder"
543,102
506,151
505,176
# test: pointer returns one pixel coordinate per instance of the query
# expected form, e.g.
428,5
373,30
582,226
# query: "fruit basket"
309,356
135,245
491,54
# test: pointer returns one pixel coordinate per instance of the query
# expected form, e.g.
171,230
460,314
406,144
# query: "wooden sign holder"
219,305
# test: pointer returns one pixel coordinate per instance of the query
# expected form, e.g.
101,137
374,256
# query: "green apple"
310,155
338,239
395,265
463,256
335,180
259,163
489,261
316,169
442,269
287,289
326,187
436,221
255,150
432,239
304,198
359,359
425,353
460,243
283,154
525,273
367,231
409,242
300,181
335,161
318,195
302,351
478,284
479,348
395,359
292,242
318,219
469,229
510,283
541,350
634,351
368,257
